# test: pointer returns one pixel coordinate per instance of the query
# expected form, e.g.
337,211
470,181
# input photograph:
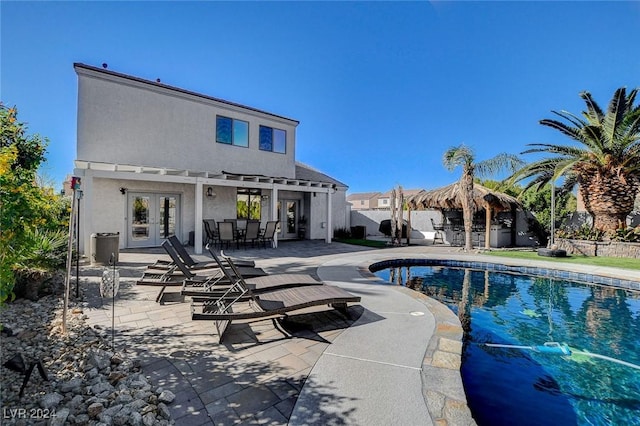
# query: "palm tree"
463,156
605,163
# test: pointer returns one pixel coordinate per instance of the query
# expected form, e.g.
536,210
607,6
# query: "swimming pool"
520,380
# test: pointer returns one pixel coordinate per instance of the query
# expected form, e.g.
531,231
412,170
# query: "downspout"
329,224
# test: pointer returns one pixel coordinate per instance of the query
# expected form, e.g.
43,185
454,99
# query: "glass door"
289,218
152,218
167,215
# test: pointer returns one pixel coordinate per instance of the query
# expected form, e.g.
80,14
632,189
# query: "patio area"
319,367
395,360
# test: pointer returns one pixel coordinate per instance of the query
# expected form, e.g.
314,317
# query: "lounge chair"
160,277
179,272
215,288
189,261
267,305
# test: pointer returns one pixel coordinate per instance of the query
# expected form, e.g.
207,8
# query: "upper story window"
231,131
274,140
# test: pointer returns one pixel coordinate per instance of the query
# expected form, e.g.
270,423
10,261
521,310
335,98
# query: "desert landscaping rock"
89,384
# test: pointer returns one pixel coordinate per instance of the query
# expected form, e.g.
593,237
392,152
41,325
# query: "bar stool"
438,232
458,238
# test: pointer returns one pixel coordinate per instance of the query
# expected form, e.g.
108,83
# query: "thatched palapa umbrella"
448,197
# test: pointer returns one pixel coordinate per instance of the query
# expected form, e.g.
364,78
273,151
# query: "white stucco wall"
421,224
318,216
129,122
109,206
340,209
222,207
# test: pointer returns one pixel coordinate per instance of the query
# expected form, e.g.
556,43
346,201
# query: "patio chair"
268,305
269,232
438,228
211,231
227,234
251,234
234,224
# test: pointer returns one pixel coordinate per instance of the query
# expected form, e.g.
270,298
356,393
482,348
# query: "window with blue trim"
231,131
274,140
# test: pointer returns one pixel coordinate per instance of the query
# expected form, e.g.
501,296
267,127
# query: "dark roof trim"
176,89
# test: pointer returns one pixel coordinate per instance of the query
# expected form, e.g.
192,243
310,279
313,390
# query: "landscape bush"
33,217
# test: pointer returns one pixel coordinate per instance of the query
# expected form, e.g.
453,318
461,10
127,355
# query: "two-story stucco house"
155,160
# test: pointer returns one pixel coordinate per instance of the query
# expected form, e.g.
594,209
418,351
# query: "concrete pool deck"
395,361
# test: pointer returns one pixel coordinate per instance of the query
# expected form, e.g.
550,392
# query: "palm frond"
460,155
615,113
593,137
570,181
504,161
572,132
594,113
571,118
563,150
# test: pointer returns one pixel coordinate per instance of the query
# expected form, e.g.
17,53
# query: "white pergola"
89,170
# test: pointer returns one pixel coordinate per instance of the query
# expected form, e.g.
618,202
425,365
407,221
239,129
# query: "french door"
152,218
288,212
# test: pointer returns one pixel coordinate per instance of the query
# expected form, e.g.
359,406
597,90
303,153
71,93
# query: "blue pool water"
522,386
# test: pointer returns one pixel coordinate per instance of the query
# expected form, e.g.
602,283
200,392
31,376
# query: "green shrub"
46,250
628,235
341,233
585,232
32,215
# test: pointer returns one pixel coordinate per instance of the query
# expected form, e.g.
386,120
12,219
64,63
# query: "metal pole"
69,261
553,211
112,260
78,251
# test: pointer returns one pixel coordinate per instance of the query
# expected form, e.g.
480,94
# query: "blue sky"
381,89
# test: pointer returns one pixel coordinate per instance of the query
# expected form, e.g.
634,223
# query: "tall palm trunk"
466,195
608,197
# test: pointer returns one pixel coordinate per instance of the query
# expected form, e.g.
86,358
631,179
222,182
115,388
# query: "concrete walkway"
395,361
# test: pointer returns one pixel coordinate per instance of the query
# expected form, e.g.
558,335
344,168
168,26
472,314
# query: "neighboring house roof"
104,71
362,196
405,192
306,172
